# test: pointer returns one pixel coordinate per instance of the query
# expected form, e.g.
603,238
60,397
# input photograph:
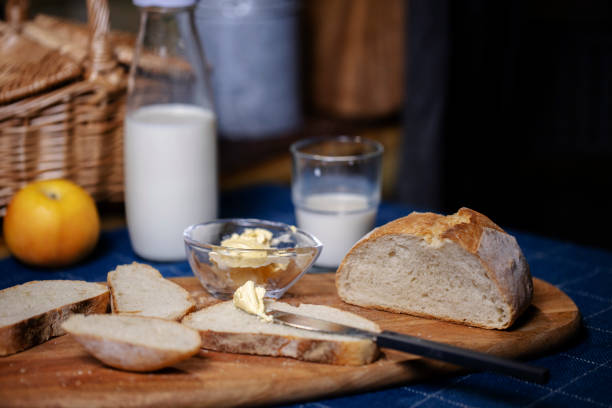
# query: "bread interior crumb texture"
225,317
436,278
141,290
25,301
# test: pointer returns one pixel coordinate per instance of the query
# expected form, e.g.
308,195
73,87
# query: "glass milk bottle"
170,140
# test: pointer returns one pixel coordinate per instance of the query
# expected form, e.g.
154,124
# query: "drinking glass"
335,189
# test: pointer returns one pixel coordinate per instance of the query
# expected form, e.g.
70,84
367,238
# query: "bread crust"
352,353
258,340
465,227
477,235
130,357
40,328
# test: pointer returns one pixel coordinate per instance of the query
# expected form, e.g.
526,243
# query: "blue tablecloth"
581,372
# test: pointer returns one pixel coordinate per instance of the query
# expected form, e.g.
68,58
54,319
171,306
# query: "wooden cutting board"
61,373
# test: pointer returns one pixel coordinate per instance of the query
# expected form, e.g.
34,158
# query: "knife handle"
462,357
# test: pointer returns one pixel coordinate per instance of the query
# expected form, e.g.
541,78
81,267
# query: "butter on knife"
250,298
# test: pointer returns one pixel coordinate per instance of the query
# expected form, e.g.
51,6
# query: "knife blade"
418,346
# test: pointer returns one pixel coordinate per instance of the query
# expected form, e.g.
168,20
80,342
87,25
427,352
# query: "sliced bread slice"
461,268
225,328
139,289
134,343
32,313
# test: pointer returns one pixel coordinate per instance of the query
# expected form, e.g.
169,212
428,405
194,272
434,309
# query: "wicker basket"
60,115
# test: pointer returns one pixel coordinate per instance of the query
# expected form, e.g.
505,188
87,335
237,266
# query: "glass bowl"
223,269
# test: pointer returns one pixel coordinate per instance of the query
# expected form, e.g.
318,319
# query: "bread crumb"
22,370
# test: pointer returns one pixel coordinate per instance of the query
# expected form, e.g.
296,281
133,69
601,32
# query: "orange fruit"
51,223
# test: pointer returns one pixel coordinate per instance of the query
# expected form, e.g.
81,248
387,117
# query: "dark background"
519,124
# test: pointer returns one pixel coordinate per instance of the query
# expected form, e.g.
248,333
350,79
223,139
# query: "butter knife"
415,345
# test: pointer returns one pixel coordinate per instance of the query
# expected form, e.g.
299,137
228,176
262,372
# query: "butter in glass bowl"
226,253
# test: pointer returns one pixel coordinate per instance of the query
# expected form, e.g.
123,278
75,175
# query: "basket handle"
101,56
16,12
100,52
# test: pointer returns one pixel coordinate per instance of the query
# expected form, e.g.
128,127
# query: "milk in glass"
339,220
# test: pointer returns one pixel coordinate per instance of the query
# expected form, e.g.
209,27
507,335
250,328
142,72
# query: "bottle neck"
168,64
159,25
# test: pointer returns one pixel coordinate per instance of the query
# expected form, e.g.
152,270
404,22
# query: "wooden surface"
60,373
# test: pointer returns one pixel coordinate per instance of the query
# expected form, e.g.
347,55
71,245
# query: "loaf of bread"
462,268
32,313
139,289
134,343
225,328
